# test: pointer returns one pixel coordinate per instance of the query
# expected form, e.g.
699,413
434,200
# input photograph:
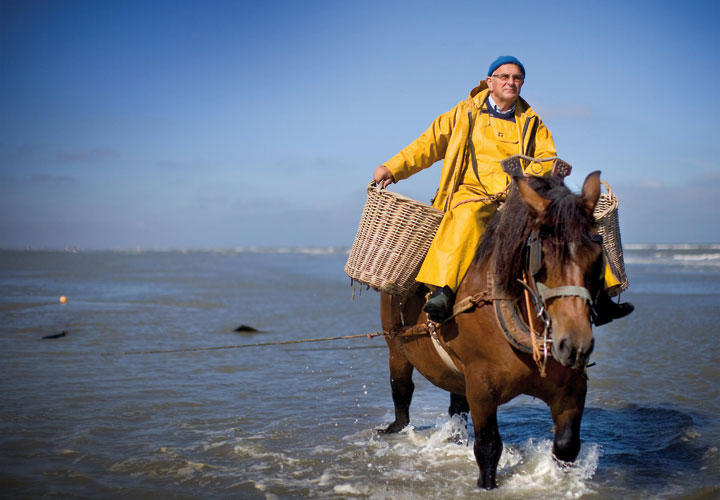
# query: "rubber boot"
605,309
440,304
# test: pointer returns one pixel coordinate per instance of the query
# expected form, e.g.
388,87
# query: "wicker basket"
608,226
391,243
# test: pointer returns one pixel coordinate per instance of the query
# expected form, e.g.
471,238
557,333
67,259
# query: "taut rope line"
241,346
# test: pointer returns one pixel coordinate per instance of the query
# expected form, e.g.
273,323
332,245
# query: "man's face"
505,83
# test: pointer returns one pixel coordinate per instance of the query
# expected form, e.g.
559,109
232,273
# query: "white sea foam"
439,463
690,256
345,489
536,471
257,451
703,257
672,246
638,246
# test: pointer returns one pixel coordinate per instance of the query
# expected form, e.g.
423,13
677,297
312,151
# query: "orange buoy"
63,299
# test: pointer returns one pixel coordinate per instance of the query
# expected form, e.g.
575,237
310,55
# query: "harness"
519,333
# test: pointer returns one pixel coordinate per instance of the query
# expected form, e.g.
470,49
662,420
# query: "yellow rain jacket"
462,180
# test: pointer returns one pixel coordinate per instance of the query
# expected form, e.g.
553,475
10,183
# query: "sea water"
98,413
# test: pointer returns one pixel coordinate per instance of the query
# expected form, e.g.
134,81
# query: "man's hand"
383,177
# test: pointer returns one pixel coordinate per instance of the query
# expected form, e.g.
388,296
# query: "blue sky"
193,124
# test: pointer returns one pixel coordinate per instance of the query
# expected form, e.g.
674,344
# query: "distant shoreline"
237,250
315,250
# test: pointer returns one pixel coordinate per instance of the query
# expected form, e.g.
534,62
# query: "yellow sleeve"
544,148
426,149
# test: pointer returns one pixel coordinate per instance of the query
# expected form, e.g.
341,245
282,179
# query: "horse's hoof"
487,485
393,428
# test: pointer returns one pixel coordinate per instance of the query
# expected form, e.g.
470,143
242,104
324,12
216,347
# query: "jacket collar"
477,96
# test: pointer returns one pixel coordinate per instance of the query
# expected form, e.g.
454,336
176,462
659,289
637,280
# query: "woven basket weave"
392,240
608,226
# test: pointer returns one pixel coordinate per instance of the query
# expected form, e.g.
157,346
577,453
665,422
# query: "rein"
541,311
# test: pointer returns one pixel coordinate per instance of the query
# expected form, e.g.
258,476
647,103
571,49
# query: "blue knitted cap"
505,60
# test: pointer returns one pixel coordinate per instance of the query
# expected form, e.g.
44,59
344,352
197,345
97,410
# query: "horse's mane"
565,229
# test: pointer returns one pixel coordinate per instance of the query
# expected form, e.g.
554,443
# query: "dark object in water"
56,336
246,328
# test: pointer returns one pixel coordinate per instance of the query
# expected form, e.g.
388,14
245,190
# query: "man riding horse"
492,124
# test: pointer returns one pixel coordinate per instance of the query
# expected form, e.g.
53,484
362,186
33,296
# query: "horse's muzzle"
572,350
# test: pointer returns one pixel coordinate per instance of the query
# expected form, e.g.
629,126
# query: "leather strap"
535,253
444,355
563,291
530,149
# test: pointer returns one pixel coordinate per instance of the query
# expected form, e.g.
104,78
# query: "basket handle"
607,186
375,185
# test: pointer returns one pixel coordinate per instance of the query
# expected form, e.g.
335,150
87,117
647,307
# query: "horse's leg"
567,410
487,448
488,445
401,369
458,404
402,388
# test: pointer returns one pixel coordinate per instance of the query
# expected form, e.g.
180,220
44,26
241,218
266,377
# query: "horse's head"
569,263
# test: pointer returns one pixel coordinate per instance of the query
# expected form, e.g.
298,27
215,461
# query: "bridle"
540,294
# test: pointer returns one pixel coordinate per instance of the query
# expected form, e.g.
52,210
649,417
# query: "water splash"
529,471
438,462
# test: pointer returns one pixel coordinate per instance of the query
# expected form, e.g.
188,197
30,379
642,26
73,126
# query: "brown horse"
487,369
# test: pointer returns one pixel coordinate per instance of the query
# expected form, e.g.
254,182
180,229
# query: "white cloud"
659,212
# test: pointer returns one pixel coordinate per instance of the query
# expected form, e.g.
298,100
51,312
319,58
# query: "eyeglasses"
504,77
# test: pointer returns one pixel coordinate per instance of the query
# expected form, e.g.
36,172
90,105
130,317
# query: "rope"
491,198
535,347
242,346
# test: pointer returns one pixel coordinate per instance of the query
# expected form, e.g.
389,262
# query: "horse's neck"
481,276
476,278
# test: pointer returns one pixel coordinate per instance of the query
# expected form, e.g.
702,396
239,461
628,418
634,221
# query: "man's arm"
421,153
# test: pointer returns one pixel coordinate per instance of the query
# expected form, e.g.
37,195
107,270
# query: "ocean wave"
698,258
695,258
672,246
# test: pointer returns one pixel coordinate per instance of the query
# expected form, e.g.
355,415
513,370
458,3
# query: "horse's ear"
591,191
528,195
